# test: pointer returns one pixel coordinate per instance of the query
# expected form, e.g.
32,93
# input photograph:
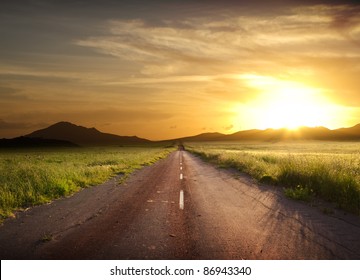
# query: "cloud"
229,127
84,115
8,92
160,46
33,76
293,41
204,46
4,125
347,21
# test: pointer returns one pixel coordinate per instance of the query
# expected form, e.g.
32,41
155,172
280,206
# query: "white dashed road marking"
181,201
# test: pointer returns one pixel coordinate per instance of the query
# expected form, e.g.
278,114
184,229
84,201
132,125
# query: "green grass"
328,170
36,176
299,193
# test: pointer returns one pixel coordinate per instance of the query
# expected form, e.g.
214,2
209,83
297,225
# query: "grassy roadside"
330,171
33,177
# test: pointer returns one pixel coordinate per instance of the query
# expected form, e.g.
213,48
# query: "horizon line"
207,132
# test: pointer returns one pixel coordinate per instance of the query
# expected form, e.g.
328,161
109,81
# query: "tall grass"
33,177
327,170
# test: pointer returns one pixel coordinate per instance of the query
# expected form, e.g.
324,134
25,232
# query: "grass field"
32,177
328,170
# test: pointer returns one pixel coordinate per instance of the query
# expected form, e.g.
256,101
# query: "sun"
294,107
287,104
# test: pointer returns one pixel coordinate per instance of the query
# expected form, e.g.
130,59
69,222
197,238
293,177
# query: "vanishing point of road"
180,208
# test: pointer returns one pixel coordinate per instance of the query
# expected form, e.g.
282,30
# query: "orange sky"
177,68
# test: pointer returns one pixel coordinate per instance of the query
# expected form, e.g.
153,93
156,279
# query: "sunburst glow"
292,108
288,104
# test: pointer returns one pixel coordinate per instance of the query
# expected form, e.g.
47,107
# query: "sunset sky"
165,69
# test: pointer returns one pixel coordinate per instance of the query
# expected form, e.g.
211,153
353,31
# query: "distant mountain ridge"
66,134
282,134
83,136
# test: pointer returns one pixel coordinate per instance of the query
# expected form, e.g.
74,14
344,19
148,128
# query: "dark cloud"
150,10
345,20
58,13
89,10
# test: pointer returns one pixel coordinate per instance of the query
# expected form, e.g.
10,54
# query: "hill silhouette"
27,142
351,133
83,136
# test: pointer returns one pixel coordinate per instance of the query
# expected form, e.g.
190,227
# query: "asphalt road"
180,208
